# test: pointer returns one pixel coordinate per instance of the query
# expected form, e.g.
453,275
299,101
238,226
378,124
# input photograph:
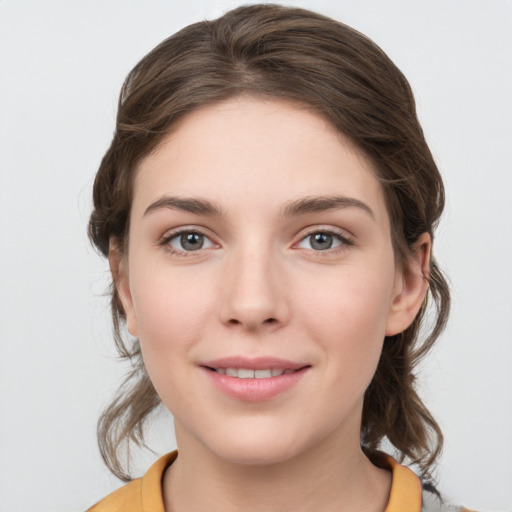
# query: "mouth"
255,379
247,373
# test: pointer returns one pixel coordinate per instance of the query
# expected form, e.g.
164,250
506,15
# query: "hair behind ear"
122,422
392,407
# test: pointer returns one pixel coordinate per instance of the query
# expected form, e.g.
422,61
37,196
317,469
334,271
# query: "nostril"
234,321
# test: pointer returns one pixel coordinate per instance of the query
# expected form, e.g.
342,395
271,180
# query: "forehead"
265,151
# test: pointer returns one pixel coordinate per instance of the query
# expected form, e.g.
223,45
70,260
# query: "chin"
257,447
256,455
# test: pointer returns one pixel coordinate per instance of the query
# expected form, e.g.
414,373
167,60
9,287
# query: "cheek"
352,300
172,310
347,317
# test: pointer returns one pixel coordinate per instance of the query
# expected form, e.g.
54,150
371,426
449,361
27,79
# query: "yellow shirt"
145,494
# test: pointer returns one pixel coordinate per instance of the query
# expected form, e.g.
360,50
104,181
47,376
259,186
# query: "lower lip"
255,390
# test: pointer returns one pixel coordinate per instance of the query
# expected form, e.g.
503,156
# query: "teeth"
245,373
262,374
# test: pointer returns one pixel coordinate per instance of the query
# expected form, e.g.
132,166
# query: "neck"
327,477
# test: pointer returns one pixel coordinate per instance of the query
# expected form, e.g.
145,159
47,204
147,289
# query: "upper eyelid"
332,230
173,232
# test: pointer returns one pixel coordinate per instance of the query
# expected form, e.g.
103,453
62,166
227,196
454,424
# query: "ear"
119,270
411,287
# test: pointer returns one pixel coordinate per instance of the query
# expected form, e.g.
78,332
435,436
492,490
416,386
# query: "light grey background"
61,66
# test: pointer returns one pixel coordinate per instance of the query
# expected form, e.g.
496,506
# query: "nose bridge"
254,295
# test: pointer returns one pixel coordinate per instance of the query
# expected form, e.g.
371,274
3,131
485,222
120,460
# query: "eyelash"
345,241
168,238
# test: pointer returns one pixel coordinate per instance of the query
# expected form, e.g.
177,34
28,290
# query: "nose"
254,293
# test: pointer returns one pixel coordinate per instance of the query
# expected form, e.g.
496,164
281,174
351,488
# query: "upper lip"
256,363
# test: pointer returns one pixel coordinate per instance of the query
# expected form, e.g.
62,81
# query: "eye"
323,241
188,241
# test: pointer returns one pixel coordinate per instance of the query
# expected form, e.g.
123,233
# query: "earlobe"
412,287
118,269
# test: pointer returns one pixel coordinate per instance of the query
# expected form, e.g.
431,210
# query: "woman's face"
260,279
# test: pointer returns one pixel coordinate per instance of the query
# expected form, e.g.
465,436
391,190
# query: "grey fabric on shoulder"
432,502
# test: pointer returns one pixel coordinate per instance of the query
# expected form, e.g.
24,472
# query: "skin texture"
259,286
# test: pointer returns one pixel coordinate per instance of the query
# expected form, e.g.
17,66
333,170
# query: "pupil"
321,241
192,241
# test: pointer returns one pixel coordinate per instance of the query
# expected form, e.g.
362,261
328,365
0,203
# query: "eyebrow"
312,204
191,205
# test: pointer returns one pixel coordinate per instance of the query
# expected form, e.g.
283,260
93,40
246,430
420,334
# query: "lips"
254,379
257,363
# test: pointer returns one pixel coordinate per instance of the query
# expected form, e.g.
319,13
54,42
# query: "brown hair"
283,52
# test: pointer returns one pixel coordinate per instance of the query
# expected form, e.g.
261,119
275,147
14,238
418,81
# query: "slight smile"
254,380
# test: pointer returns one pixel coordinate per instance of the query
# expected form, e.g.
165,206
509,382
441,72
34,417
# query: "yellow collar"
405,488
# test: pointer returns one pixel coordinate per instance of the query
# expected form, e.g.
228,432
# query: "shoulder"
125,499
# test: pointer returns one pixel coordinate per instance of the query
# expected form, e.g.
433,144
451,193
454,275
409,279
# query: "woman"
267,207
